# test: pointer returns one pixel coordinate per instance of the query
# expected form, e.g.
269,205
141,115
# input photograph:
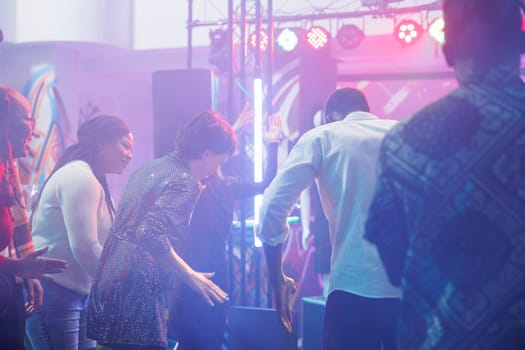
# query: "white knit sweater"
73,219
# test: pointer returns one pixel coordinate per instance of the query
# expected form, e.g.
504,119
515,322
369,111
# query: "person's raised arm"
272,136
244,120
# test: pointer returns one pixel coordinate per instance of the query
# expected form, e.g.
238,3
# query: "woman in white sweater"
72,216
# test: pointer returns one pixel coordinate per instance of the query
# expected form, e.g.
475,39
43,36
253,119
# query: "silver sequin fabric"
128,300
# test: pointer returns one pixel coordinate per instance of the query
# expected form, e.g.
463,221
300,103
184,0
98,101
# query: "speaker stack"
178,95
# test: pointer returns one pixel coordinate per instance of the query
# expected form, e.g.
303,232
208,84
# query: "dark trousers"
355,322
12,314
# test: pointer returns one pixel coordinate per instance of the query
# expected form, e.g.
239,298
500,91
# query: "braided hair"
90,136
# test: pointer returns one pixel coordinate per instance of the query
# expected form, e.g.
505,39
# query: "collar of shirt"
359,115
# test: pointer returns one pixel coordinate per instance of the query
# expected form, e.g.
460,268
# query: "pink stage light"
408,31
350,36
263,45
317,37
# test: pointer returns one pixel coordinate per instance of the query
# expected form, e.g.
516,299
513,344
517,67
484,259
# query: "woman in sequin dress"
139,265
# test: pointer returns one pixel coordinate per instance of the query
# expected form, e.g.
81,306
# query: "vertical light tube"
257,149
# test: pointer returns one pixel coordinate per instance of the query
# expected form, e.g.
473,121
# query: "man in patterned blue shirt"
448,217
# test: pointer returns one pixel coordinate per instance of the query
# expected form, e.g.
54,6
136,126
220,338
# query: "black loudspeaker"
178,95
258,329
312,322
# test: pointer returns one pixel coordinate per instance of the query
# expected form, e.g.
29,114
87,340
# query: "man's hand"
283,286
34,266
35,296
284,299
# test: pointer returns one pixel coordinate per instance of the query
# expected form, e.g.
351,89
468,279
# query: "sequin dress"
128,300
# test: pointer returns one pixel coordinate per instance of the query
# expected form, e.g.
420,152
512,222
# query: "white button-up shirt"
342,158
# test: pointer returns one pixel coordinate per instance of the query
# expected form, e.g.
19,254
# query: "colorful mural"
52,130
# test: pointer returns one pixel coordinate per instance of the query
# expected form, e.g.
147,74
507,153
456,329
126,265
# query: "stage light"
436,30
218,37
287,40
218,55
408,31
263,45
317,37
350,36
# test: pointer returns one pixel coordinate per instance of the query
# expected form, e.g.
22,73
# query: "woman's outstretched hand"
201,283
34,266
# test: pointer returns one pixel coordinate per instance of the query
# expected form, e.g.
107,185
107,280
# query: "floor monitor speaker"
258,329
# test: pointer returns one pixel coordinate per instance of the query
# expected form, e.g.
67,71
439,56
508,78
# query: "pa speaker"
312,322
258,329
178,95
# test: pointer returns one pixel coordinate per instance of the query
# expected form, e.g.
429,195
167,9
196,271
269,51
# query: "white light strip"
257,148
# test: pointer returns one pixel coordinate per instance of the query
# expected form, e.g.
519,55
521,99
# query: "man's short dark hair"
487,30
344,101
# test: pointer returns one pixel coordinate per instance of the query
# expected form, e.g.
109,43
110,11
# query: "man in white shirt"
341,157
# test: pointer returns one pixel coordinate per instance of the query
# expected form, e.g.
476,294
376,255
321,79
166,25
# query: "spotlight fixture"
317,37
436,30
218,55
263,44
287,40
408,31
218,38
350,36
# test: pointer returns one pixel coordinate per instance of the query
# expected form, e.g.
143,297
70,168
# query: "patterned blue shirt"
448,217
